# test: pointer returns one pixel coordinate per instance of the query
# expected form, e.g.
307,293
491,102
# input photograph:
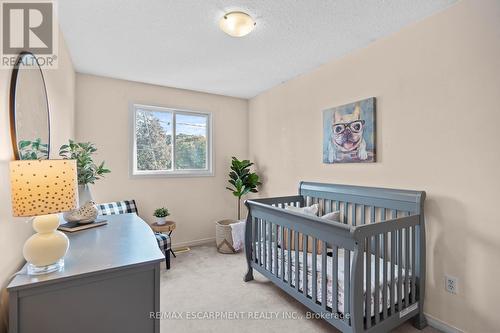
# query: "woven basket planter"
224,236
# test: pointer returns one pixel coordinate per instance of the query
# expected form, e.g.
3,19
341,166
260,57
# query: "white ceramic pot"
84,195
160,220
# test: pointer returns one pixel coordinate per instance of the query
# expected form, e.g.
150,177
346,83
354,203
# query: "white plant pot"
160,220
84,195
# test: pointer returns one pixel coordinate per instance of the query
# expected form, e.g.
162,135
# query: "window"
171,142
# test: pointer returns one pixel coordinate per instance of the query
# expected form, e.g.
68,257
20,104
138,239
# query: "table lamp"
42,188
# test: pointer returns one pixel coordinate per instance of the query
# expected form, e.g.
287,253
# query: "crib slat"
337,205
324,290
400,269
296,240
282,245
259,236
394,247
275,247
346,206
372,220
362,217
304,264
270,246
384,277
314,277
407,271
377,279
368,287
289,261
264,238
269,262
353,213
413,264
254,237
393,260
347,282
335,279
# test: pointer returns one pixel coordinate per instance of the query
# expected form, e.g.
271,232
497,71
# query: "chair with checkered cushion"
129,206
117,207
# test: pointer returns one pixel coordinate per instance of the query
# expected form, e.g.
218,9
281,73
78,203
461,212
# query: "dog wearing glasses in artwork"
347,136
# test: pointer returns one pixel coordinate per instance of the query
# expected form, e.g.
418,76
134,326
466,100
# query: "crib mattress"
340,274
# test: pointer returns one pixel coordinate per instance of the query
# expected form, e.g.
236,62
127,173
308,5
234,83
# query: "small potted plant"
161,215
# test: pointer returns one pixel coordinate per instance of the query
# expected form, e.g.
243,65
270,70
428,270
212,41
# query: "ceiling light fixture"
237,24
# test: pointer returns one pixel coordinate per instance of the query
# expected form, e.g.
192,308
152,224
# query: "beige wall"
103,117
60,84
437,85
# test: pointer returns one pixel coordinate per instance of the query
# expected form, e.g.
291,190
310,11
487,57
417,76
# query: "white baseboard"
441,325
196,242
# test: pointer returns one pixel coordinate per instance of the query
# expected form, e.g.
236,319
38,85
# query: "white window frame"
209,171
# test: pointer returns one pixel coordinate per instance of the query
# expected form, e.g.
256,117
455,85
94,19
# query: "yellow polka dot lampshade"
41,187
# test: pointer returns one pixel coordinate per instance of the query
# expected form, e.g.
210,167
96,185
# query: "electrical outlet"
451,284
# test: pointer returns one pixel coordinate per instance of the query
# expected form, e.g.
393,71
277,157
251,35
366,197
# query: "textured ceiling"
177,43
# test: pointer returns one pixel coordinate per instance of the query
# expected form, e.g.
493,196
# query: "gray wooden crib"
365,273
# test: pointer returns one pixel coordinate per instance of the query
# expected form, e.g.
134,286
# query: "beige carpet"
203,284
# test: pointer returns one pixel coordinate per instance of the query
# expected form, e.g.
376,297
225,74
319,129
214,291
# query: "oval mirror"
29,110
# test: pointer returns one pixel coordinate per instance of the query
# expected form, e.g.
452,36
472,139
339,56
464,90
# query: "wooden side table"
167,228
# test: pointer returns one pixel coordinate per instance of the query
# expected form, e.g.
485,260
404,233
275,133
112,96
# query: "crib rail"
391,199
391,248
376,243
273,234
292,200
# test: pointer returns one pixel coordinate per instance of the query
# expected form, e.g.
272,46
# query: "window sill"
172,174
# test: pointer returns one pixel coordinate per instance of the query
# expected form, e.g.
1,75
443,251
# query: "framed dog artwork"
349,133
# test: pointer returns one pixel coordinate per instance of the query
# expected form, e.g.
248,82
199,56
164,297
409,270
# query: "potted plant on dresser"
87,170
229,232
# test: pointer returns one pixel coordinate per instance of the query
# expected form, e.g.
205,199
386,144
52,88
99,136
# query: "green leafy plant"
161,212
88,171
33,150
242,180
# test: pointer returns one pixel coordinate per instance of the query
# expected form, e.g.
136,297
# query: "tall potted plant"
88,171
242,180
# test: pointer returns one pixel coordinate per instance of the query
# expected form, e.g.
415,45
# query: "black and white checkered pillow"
117,207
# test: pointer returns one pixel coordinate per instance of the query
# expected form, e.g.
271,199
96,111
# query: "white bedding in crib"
340,276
